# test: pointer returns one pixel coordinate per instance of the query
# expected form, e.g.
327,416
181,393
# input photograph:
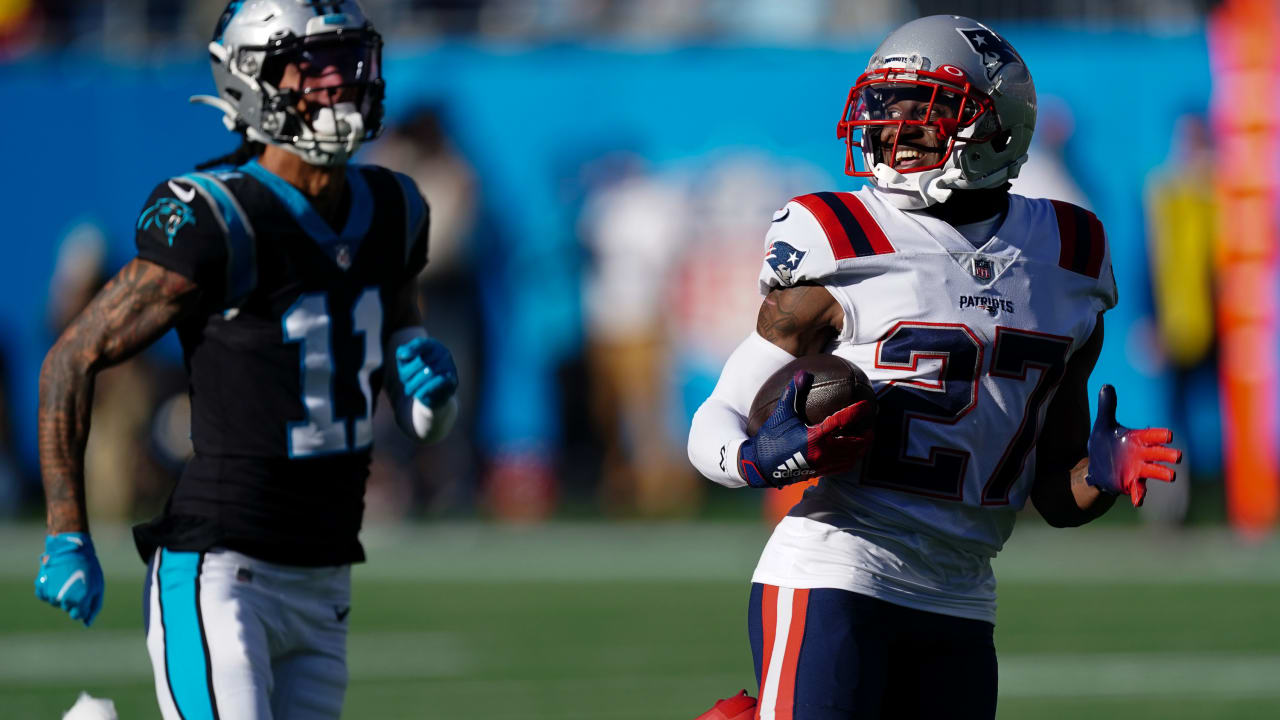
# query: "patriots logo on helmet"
784,259
168,214
995,52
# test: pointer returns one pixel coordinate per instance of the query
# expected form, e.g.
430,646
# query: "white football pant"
234,638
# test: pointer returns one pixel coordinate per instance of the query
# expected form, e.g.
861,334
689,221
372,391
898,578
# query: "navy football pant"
826,654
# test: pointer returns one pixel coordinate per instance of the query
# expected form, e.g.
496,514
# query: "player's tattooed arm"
135,308
802,319
1061,493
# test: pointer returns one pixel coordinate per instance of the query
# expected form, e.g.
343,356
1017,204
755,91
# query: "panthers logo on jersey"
168,214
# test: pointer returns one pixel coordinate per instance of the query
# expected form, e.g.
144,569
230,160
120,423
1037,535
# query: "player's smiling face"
913,146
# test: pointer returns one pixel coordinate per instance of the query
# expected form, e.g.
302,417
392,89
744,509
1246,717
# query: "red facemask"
909,120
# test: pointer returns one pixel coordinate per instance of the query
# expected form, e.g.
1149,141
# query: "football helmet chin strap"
916,191
919,190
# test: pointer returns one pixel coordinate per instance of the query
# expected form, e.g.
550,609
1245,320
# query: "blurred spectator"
407,478
1046,173
543,18
658,19
13,484
793,21
1181,221
419,148
144,26
19,27
633,225
715,293
715,280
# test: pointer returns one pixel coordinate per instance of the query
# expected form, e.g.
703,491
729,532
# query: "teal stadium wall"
87,138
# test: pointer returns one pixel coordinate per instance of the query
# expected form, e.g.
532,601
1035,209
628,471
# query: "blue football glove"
70,576
427,371
785,450
1121,460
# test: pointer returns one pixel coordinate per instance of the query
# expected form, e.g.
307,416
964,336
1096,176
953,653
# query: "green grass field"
647,621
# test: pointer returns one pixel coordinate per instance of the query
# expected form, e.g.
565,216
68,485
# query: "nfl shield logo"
342,256
982,269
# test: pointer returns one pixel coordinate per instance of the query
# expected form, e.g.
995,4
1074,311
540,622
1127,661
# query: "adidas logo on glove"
795,467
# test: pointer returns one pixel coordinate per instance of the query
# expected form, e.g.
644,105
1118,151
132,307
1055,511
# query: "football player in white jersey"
977,315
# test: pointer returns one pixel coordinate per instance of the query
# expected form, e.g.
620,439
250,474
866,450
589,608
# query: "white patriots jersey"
965,348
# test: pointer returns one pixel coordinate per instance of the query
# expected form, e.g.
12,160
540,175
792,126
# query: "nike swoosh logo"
342,612
786,212
77,575
185,196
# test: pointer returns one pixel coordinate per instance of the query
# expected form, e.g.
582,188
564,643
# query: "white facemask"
335,135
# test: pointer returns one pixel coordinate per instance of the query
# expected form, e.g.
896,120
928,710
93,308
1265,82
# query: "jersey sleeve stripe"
849,228
831,225
1081,237
241,262
1097,246
880,244
856,238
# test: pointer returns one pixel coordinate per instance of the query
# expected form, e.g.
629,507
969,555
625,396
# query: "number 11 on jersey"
307,322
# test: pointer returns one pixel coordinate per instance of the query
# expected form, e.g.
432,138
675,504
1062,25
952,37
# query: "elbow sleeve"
719,425
714,438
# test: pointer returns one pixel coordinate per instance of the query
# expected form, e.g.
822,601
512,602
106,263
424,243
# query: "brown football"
837,383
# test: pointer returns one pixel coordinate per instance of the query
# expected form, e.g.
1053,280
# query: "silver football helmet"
945,104
305,75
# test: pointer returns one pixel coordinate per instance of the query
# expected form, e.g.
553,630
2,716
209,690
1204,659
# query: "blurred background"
601,175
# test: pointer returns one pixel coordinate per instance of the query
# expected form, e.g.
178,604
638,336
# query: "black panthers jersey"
285,355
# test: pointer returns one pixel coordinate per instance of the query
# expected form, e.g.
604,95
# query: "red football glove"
1122,460
739,707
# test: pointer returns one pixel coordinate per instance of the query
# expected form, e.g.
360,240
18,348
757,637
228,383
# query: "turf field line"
1104,675
1154,675
120,657
632,696
601,551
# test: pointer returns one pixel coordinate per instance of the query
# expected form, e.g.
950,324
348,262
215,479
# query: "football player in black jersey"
289,275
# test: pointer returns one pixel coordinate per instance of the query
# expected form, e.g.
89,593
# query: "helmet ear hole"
1001,141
